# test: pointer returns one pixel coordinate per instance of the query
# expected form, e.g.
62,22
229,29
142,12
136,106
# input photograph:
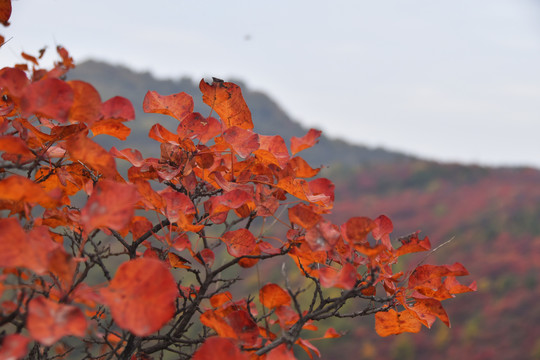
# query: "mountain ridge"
269,118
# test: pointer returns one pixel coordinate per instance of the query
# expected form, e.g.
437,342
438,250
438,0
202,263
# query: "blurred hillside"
493,216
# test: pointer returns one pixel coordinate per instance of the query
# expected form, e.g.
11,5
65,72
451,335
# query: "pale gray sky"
453,80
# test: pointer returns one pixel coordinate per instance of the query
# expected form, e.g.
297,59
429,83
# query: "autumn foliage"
108,254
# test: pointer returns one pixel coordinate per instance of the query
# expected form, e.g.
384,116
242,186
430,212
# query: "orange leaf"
276,146
49,321
86,103
454,287
91,154
393,323
304,216
176,261
134,156
20,189
428,309
272,295
112,127
176,105
301,168
118,108
30,58
227,101
307,346
215,321
226,349
14,346
141,296
331,333
356,229
5,12
49,97
413,244
159,133
426,273
239,242
305,142
219,299
15,145
111,205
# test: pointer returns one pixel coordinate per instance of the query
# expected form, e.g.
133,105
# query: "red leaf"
272,295
245,328
14,346
111,205
281,353
176,105
49,97
86,105
141,296
179,209
393,323
356,229
345,278
322,191
242,141
205,257
218,206
196,126
382,230
49,321
14,81
305,142
226,349
227,101
322,237
118,108
239,242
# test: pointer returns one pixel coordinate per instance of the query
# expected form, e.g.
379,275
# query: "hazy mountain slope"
268,117
493,217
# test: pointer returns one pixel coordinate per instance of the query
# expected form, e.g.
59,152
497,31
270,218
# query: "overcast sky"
454,80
